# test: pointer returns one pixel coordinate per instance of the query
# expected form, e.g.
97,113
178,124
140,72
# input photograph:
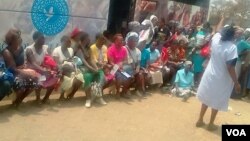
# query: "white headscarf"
153,17
147,23
247,31
132,35
148,32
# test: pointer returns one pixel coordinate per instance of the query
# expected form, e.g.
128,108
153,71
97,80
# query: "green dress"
198,61
90,76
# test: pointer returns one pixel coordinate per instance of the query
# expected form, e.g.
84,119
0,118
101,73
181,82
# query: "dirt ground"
156,117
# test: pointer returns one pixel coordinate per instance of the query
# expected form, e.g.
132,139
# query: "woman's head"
154,45
179,29
154,20
84,39
146,24
191,30
162,22
13,38
75,35
118,40
181,43
228,33
38,38
239,32
100,39
65,41
207,27
174,44
132,39
188,65
107,35
247,33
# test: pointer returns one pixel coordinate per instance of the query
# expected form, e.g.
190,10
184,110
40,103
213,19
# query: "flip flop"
200,124
212,127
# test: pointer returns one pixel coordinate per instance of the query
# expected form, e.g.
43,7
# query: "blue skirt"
5,89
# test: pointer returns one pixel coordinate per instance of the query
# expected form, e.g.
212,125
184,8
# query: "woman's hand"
120,66
46,73
183,60
154,65
93,69
100,64
137,70
28,73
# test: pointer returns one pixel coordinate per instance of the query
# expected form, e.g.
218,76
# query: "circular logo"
50,16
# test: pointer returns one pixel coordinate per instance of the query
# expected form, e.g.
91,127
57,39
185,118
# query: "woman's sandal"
212,127
200,124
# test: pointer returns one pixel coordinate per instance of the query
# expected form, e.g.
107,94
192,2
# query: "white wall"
89,15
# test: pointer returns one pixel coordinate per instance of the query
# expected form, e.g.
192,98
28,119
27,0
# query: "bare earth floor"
156,117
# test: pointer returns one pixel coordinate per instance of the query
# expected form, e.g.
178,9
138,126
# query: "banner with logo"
54,18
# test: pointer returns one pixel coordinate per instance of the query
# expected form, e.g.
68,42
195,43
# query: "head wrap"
147,23
187,63
153,17
75,32
132,35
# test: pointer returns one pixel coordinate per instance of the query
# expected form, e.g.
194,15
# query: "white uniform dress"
216,84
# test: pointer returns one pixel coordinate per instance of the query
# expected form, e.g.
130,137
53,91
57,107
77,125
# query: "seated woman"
144,64
13,55
133,64
117,55
90,72
182,50
99,58
6,80
71,79
184,82
35,56
99,51
155,65
172,57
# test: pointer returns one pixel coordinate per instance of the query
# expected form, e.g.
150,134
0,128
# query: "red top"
164,54
182,53
173,53
205,51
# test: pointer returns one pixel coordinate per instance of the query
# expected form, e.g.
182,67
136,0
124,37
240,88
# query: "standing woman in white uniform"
219,78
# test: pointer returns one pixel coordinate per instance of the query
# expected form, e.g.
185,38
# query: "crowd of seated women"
155,55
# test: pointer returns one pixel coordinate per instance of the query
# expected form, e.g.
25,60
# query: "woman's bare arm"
232,72
10,63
